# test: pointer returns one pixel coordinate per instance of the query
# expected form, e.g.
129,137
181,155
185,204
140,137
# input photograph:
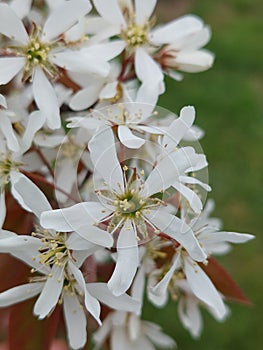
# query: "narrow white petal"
3,102
203,288
104,158
109,90
192,198
69,219
11,25
190,315
95,235
231,237
91,303
15,176
35,122
128,139
176,30
156,336
21,7
8,132
179,231
64,17
168,169
127,260
194,61
46,99
179,127
85,98
161,287
75,242
20,293
32,196
123,302
9,67
81,62
76,321
195,181
147,70
144,10
110,11
50,294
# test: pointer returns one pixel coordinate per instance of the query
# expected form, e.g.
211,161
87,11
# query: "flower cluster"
111,187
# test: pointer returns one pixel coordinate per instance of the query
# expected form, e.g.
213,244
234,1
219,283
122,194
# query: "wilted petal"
76,321
128,139
20,293
11,25
127,260
9,67
64,17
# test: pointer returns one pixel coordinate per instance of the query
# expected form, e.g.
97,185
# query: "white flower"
130,206
57,257
175,45
128,331
183,267
41,52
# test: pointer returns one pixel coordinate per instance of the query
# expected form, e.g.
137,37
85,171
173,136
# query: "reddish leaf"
26,332
224,282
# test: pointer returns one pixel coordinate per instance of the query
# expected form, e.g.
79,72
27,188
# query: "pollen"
136,35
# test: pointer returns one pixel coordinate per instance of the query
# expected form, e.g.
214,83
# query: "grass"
229,105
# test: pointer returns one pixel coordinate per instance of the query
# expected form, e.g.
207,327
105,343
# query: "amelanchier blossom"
174,46
41,53
113,186
55,259
130,205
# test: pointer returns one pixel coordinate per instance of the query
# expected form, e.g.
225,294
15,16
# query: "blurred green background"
229,104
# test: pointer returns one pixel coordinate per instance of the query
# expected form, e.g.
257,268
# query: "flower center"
53,251
136,35
6,166
130,204
37,52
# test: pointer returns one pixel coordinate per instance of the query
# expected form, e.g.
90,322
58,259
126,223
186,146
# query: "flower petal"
21,7
85,98
194,61
127,260
176,30
69,219
123,302
179,231
64,17
192,198
2,208
91,303
179,127
11,25
203,288
9,67
46,99
168,169
20,293
110,11
50,294
8,132
104,158
76,321
128,139
144,10
32,196
147,70
95,235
